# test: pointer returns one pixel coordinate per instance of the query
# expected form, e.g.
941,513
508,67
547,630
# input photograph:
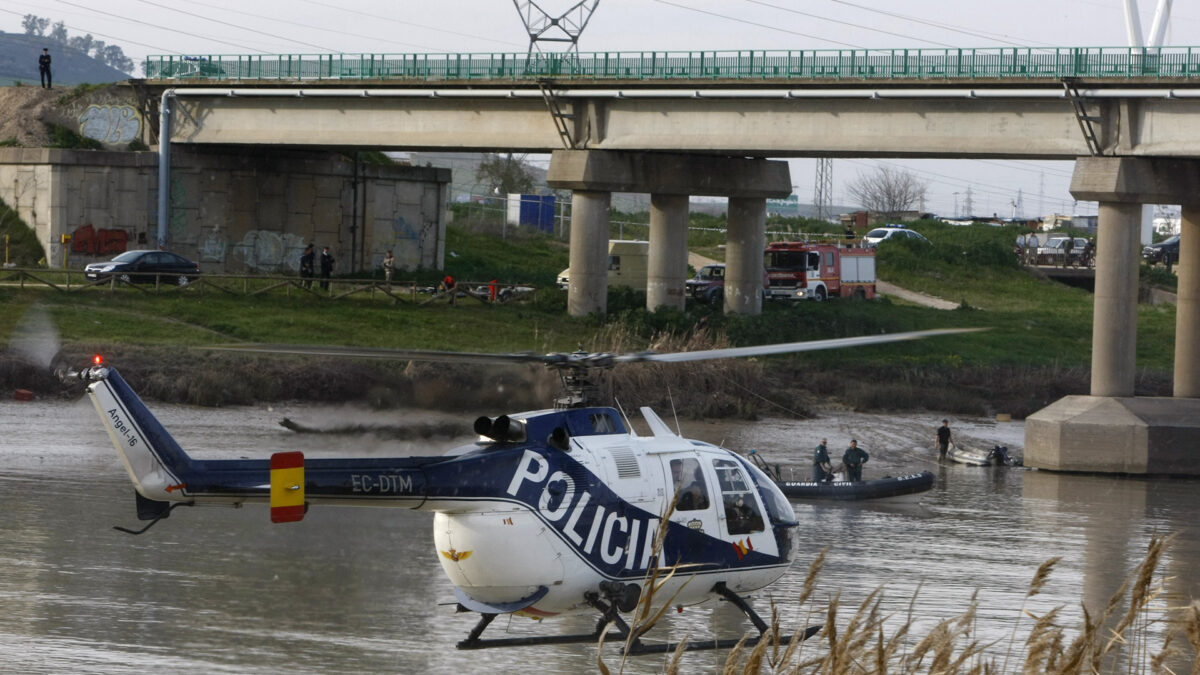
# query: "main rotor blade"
583,360
393,354
790,347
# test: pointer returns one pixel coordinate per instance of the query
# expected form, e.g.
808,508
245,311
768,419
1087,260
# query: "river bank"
739,389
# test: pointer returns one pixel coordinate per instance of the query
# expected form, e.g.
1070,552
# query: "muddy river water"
359,590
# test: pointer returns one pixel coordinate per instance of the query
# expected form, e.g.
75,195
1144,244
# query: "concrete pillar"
745,240
667,267
587,291
1114,317
1187,308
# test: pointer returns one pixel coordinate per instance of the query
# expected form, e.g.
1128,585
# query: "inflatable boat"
880,488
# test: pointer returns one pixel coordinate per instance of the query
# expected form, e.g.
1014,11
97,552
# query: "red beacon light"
97,360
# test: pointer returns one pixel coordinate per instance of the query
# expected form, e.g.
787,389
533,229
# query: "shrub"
24,249
62,137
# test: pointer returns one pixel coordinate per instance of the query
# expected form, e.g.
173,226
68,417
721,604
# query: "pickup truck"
708,286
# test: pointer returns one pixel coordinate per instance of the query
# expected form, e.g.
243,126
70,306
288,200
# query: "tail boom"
161,470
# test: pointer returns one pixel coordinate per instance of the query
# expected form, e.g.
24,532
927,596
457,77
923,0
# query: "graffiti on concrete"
402,239
89,240
213,246
110,124
271,251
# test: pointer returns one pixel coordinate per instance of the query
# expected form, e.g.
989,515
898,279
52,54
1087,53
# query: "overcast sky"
143,27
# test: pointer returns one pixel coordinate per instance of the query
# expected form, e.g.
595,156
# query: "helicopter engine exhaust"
503,429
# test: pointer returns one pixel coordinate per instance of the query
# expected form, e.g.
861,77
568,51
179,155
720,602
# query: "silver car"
1052,252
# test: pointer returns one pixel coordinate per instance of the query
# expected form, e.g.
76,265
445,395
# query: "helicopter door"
739,502
694,495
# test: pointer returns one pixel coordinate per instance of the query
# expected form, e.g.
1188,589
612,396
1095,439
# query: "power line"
1013,164
407,23
939,25
320,28
757,25
997,191
97,33
846,23
146,23
232,25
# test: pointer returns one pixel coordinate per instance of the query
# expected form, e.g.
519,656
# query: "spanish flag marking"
742,547
287,487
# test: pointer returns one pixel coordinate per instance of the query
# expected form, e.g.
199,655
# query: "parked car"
145,267
891,232
1051,252
1165,252
708,286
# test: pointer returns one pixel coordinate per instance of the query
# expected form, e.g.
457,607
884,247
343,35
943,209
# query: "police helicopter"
550,512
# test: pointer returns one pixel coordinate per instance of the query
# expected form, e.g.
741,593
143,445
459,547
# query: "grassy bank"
1037,348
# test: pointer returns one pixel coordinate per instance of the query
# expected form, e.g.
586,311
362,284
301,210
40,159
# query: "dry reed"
1113,642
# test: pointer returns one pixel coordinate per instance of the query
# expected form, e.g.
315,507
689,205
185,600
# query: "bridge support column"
667,267
587,291
1187,308
746,239
1114,313
1112,431
671,179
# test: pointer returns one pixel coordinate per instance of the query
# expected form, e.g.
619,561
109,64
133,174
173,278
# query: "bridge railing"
820,64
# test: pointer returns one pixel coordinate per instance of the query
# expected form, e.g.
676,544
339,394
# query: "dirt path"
912,296
21,111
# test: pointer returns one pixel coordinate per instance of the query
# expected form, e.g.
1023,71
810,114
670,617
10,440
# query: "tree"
82,42
34,25
111,55
58,33
504,175
887,191
116,58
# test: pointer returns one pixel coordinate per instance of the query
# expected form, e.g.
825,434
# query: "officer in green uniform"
821,466
853,459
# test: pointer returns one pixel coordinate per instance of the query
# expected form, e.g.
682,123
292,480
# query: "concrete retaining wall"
237,211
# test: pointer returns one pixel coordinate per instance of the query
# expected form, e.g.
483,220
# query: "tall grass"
1135,633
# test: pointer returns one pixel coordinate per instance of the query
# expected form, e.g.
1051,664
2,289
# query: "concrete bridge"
702,123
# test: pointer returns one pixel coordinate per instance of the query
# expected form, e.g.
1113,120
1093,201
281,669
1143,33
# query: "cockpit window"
689,484
741,508
602,423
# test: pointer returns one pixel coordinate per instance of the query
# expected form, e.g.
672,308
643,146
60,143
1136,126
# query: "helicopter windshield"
779,509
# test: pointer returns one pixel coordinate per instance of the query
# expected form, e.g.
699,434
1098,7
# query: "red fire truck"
800,270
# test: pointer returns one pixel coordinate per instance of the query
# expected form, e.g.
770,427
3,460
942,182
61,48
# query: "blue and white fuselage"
529,524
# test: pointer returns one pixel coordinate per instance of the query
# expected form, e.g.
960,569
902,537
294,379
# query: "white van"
628,262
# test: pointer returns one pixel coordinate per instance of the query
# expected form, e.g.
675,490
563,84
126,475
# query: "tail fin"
158,467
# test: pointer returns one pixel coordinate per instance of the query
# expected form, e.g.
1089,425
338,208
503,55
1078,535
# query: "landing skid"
609,615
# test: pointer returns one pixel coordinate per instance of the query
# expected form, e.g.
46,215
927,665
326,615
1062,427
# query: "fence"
74,281
819,64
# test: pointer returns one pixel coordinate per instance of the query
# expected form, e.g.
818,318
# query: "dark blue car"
145,267
1165,251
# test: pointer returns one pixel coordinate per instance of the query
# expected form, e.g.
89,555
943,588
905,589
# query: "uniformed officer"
853,459
821,466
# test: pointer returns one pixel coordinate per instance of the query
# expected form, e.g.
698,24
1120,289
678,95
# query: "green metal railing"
891,64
